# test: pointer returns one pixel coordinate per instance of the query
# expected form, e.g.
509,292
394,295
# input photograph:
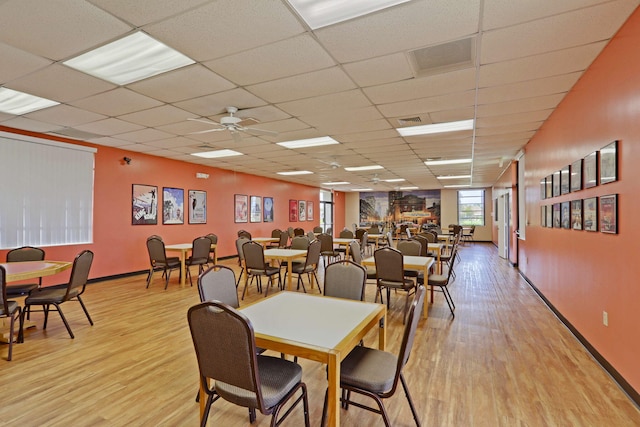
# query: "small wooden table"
266,240
437,248
343,241
184,249
376,238
285,255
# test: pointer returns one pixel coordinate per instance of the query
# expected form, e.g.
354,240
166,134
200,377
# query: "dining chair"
356,256
441,282
309,266
345,279
239,375
10,310
159,261
375,373
244,233
298,231
212,250
199,255
241,262
390,275
56,296
327,250
256,267
317,229
346,234
25,253
276,233
284,239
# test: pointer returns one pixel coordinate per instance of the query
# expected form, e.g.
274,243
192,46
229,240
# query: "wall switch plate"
605,318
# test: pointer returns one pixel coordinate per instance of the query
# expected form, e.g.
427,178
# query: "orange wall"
120,248
585,273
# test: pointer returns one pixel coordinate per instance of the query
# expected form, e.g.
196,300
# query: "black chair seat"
20,290
12,306
369,369
47,296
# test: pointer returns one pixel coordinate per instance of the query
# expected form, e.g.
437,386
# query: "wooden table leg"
425,308
333,390
183,267
289,273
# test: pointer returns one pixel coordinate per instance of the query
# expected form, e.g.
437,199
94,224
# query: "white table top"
179,246
310,319
408,261
343,240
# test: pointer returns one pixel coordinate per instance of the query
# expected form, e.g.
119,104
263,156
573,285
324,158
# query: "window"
47,192
326,209
471,207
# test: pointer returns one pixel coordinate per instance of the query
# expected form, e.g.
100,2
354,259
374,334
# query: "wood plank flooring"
505,360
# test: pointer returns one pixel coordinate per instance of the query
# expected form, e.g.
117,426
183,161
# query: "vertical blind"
46,192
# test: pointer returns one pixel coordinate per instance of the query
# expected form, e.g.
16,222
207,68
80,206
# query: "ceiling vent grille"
410,120
445,57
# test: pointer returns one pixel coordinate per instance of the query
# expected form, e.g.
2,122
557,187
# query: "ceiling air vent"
409,121
444,57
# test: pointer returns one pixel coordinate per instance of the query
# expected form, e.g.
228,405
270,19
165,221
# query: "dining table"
437,249
184,249
410,262
288,255
344,241
264,241
318,328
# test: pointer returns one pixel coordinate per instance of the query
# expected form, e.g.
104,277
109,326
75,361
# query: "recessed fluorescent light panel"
394,180
320,13
290,173
446,162
363,168
336,183
132,58
453,176
14,102
217,154
408,188
457,186
436,128
311,142
362,189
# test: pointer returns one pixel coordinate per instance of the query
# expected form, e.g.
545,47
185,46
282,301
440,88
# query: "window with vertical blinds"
47,192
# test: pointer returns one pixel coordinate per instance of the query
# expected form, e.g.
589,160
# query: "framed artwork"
609,213
256,209
556,183
293,210
576,214
590,169
302,210
556,215
240,204
609,163
309,211
565,214
576,175
197,207
590,214
549,220
172,205
144,204
549,181
543,188
565,188
543,216
267,210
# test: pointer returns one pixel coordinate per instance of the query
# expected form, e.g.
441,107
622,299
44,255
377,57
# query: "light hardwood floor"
505,360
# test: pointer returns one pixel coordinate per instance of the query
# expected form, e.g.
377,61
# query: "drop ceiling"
355,81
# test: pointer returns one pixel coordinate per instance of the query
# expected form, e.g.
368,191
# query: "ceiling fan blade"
206,131
247,121
258,131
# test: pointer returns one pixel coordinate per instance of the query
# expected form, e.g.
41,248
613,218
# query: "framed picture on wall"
590,170
576,214
543,188
302,210
576,175
309,211
565,213
609,163
240,203
144,204
293,210
565,177
543,216
556,215
256,209
590,214
549,221
267,211
609,213
549,181
172,205
197,207
556,183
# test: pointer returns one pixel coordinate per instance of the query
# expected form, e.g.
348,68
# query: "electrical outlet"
605,318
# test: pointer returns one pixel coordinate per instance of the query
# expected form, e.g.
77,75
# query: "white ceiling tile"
141,12
110,142
145,135
544,86
65,115
157,116
30,124
376,71
217,103
520,105
16,63
508,119
116,102
109,127
426,105
340,101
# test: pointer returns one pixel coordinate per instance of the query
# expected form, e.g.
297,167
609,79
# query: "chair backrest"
300,242
25,253
311,235
389,265
239,242
298,231
79,274
430,236
254,255
374,229
313,253
359,233
345,279
235,363
329,231
389,239
356,252
410,247
290,231
244,233
326,241
200,248
213,238
284,239
156,250
218,283
424,244
364,239
346,234
317,229
276,232
154,236
408,231
4,305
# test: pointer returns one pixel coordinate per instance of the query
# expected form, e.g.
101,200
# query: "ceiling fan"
333,164
233,124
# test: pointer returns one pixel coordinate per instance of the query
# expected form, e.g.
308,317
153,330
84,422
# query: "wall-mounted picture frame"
608,211
565,215
543,188
172,205
255,208
240,206
590,170
556,183
293,210
576,175
590,214
565,178
609,163
549,181
576,214
267,210
197,207
144,204
543,216
310,211
302,210
549,220
556,215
